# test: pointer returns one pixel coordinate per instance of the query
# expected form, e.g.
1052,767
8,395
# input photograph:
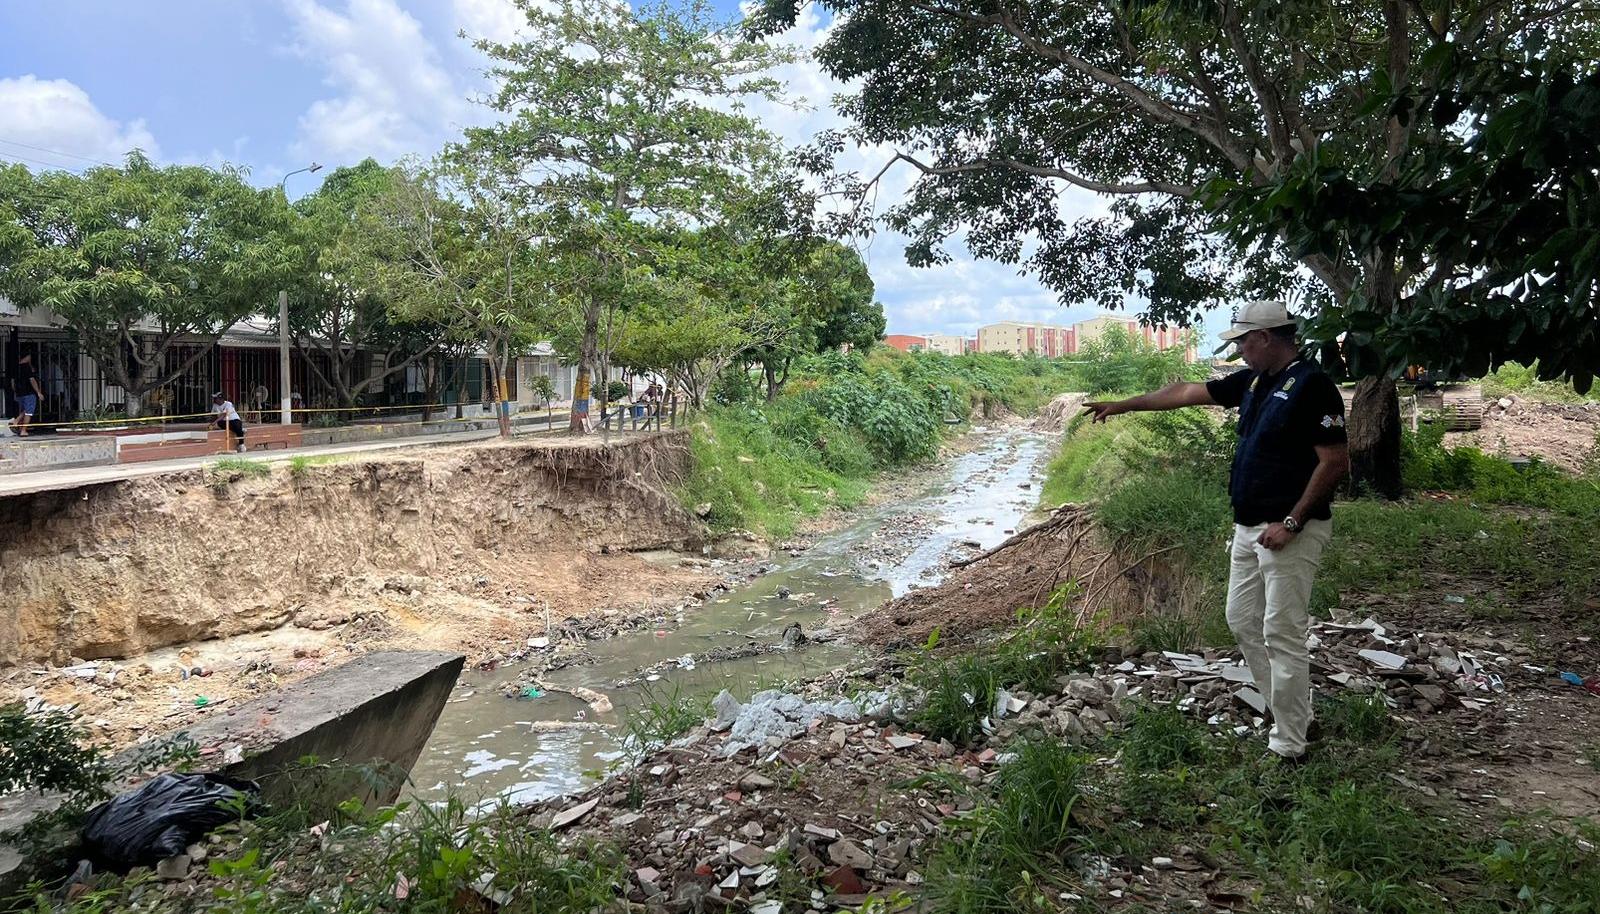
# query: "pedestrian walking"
25,387
227,417
1291,455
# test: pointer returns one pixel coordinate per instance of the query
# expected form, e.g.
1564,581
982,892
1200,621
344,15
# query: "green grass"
1512,379
400,859
960,691
662,718
299,466
246,467
1493,556
755,480
1337,831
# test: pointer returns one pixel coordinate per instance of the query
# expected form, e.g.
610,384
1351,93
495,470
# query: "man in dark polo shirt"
1290,457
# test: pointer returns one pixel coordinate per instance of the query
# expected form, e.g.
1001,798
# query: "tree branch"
1142,187
1158,109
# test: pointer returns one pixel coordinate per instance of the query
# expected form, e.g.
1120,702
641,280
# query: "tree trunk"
500,359
772,380
1374,428
429,375
588,355
461,387
133,402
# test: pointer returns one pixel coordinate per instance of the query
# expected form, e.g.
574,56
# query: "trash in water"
161,818
531,692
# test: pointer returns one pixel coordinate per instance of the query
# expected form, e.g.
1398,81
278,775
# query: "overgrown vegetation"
47,751
1500,534
1335,831
1512,379
843,417
398,859
960,692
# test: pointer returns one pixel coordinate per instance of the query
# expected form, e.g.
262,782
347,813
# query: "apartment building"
946,343
1027,339
906,342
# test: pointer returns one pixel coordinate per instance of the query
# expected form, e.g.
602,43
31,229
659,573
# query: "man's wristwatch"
1291,525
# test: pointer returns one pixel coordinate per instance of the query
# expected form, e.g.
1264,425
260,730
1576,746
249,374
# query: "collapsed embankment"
986,592
112,570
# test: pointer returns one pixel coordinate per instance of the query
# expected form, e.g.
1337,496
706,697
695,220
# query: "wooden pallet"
1465,415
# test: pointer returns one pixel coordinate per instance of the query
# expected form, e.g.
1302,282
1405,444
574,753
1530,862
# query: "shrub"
47,751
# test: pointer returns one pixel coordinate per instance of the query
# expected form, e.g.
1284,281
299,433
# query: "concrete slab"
376,711
371,716
40,453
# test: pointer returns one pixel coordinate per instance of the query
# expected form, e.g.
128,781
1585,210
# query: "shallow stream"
486,744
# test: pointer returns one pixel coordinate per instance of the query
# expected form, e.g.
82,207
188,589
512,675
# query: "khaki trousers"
1268,598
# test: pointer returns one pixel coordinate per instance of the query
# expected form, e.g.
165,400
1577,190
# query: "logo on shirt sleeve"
1333,421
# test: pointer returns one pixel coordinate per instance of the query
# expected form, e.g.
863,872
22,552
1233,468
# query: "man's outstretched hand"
1105,410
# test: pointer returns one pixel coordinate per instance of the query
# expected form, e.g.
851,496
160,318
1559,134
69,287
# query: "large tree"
337,305
471,259
616,115
139,260
819,294
1251,147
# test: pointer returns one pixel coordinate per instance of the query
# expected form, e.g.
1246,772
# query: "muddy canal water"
488,745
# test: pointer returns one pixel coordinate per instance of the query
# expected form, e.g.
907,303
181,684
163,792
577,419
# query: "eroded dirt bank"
487,533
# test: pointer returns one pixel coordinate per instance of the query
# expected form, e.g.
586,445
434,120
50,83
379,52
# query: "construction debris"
712,834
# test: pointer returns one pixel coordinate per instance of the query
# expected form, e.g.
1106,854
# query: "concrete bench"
204,441
261,437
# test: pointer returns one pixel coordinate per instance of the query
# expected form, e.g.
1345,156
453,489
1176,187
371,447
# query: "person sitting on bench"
228,417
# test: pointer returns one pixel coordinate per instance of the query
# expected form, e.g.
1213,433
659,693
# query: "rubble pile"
793,826
826,797
1560,434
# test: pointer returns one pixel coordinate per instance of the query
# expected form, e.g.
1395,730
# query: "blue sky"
276,84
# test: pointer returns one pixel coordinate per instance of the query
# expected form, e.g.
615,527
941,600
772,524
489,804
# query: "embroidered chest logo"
1333,422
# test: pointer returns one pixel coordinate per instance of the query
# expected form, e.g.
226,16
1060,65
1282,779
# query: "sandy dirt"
1566,436
149,602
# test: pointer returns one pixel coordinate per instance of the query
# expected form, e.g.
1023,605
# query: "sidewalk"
49,480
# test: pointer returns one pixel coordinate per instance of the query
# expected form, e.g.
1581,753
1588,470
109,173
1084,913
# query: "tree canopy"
1252,148
337,302
618,115
138,260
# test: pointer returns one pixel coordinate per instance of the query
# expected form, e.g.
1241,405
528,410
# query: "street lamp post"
285,399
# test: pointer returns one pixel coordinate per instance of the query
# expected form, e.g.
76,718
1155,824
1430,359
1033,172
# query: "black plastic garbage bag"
164,816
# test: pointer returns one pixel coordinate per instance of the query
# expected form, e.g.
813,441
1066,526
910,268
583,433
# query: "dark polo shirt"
1282,419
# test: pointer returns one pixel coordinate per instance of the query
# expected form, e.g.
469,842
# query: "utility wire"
18,158
55,152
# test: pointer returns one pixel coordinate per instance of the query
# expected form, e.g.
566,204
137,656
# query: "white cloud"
496,20
58,115
394,95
